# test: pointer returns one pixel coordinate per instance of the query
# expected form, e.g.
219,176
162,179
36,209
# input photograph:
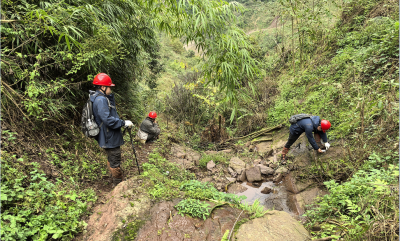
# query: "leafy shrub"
194,208
177,46
256,210
217,158
200,190
357,207
33,208
190,54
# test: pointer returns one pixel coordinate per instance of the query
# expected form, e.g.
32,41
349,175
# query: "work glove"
128,124
327,145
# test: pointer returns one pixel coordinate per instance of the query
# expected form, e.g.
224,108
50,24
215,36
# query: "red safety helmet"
325,125
103,80
153,115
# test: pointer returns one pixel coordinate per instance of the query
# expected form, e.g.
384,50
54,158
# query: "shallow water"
283,197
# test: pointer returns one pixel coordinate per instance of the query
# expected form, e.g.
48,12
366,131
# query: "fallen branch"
261,139
256,133
226,187
230,233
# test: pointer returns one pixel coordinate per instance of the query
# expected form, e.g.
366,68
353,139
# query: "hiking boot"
116,181
284,152
117,175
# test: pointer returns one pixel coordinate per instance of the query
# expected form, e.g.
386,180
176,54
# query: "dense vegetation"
337,59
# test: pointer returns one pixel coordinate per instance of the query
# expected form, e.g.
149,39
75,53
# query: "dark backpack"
295,118
88,125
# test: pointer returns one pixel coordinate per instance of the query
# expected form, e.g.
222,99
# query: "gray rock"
273,226
232,172
242,177
273,165
251,148
210,165
236,164
257,161
266,190
264,148
278,178
253,174
265,170
180,155
282,170
236,188
230,179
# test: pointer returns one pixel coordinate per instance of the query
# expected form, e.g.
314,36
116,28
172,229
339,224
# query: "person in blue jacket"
308,125
106,116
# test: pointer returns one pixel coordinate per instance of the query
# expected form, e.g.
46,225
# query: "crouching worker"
309,124
149,129
106,116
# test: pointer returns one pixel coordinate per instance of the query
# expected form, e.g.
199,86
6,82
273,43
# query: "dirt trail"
104,187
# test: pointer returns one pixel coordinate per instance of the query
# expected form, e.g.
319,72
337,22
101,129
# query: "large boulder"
253,174
264,148
236,164
274,226
265,170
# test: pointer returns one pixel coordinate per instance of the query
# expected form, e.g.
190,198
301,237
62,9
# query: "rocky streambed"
254,171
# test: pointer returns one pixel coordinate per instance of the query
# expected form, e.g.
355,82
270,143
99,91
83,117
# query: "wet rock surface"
274,226
166,224
266,190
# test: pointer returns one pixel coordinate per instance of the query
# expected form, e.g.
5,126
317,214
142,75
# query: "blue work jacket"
309,125
107,118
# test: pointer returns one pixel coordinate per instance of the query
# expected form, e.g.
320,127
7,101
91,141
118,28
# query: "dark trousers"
292,139
114,156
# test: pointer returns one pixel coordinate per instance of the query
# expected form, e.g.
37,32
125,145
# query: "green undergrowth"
365,207
167,180
128,232
36,208
217,158
354,81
